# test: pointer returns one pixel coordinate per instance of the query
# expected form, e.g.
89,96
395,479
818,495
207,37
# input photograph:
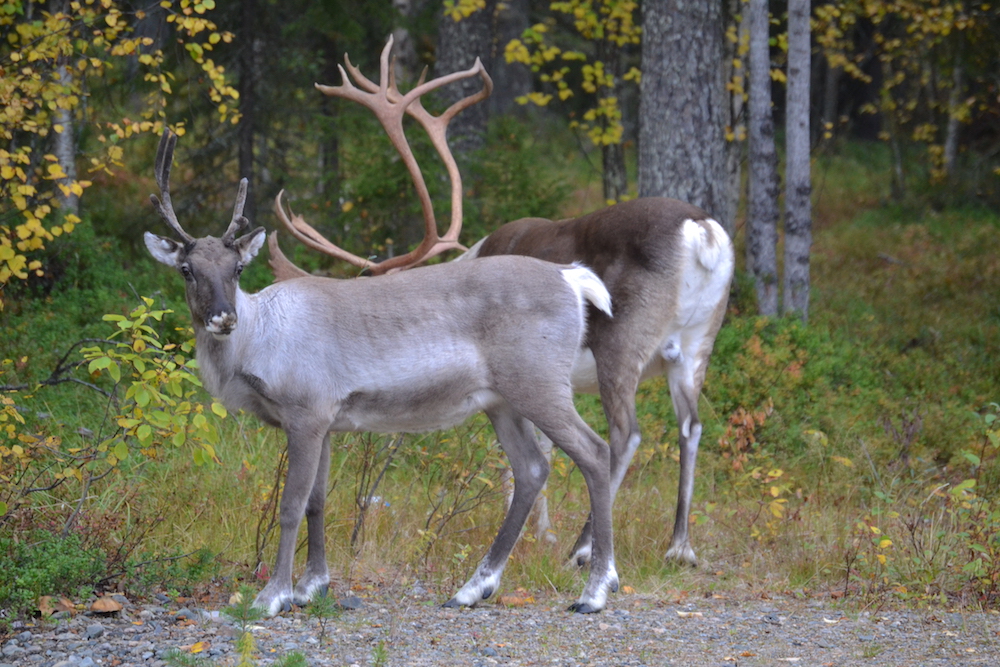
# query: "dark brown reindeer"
415,351
668,266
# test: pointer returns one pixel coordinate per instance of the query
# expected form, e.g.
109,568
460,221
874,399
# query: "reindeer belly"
412,410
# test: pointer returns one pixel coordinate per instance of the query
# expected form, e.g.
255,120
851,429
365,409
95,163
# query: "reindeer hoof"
452,604
582,608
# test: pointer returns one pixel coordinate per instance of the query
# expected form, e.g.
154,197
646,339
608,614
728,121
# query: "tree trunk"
614,179
682,107
459,44
510,80
65,148
762,206
798,184
951,136
831,100
328,181
248,99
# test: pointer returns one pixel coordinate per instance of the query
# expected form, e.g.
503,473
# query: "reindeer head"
211,266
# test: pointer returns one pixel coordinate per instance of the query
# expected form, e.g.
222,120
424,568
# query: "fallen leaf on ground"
689,614
106,605
197,647
49,604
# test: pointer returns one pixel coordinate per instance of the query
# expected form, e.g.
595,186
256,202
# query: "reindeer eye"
239,269
186,271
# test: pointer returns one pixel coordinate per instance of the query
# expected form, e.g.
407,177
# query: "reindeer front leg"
305,452
316,578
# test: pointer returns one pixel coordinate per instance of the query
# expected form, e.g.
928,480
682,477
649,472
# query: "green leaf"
963,486
3,508
219,409
115,372
121,450
144,432
98,364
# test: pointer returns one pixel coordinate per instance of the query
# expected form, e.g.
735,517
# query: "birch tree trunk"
65,149
798,182
683,106
762,205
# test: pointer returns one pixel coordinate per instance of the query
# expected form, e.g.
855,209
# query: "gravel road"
410,628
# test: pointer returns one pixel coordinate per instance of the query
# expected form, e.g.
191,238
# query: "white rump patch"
709,239
588,286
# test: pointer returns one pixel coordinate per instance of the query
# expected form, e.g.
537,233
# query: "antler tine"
164,158
239,221
308,235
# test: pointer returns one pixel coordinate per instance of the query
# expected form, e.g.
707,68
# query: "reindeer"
668,266
414,351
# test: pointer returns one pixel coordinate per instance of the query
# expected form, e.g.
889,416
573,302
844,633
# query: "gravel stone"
635,631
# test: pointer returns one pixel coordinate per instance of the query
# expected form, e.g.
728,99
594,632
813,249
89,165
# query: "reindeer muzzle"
222,324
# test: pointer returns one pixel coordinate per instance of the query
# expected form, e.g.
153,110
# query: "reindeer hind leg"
530,469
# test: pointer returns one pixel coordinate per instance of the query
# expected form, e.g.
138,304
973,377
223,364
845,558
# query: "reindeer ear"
249,244
165,251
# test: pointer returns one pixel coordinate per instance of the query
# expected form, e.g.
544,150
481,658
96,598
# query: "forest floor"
408,626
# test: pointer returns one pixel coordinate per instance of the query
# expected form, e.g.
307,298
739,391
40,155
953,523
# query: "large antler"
389,106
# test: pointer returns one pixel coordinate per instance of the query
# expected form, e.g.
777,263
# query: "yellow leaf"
199,647
846,462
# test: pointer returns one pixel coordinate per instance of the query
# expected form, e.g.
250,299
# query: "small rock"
185,614
772,618
24,637
86,662
489,652
162,599
351,602
12,650
94,631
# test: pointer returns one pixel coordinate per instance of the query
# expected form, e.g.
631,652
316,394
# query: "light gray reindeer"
667,264
415,351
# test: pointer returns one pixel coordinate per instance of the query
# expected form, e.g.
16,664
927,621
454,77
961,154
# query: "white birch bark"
762,205
798,182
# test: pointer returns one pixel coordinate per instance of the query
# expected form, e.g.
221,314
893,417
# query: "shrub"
42,563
